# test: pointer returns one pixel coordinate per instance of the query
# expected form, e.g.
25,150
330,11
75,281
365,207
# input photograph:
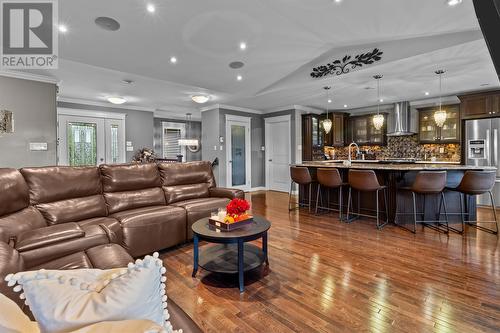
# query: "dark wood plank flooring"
328,276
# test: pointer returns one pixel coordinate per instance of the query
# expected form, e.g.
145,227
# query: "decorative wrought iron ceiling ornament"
339,67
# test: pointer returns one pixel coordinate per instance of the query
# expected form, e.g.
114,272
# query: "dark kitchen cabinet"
362,131
429,132
480,105
336,137
312,138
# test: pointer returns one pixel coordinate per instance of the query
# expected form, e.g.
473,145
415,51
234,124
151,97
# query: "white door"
238,152
84,141
278,153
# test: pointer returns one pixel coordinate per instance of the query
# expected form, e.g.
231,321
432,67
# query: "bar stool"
427,182
329,178
476,183
300,176
366,181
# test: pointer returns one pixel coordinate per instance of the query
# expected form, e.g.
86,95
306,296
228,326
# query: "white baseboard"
260,188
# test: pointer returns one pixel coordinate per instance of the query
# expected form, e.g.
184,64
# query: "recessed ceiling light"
151,8
63,28
329,101
345,105
337,1
453,2
243,46
427,93
239,78
116,100
173,60
381,100
200,99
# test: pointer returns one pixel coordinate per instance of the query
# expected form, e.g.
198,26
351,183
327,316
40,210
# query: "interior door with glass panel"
238,153
89,141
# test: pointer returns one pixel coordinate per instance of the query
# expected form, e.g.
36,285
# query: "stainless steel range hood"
402,120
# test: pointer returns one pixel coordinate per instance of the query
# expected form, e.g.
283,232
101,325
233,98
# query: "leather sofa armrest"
230,193
42,237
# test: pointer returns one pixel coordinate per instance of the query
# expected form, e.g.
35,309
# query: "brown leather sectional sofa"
81,217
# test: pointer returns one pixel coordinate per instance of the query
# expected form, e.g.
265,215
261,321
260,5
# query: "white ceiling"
286,39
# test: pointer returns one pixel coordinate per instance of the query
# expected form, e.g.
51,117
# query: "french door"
87,141
238,152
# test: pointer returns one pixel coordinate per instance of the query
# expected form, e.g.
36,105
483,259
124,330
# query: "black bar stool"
366,181
476,183
427,182
300,176
329,178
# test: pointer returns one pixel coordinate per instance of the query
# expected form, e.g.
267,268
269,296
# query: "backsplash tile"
406,147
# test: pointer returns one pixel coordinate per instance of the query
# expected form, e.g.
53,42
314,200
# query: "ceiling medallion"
339,67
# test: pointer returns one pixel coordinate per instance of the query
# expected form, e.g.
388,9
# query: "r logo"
27,28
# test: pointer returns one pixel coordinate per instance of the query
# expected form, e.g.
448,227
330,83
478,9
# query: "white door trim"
91,113
246,121
267,122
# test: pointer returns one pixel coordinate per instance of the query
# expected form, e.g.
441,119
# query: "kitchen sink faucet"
357,150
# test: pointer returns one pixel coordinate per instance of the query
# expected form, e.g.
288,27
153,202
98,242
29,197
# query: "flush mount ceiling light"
200,99
440,115
327,123
116,100
173,60
63,28
378,119
452,3
151,8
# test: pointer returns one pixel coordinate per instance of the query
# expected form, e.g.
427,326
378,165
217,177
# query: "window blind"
171,148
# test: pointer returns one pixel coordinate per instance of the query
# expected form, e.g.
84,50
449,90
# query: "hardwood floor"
328,276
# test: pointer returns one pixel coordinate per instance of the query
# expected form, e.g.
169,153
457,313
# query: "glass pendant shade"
378,121
327,125
440,117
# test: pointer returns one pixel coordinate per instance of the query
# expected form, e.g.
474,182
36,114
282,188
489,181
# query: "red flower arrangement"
237,207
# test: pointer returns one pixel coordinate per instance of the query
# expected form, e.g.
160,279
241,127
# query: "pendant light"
187,141
378,119
440,115
327,123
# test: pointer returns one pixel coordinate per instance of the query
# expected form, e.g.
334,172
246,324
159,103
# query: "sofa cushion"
14,192
129,177
37,238
94,235
120,201
73,210
199,208
24,220
50,184
184,181
152,228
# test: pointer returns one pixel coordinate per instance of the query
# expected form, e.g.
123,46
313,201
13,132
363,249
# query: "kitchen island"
394,176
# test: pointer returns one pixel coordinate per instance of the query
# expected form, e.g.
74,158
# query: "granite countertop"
393,166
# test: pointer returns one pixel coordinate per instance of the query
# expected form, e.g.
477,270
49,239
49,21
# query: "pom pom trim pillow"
63,301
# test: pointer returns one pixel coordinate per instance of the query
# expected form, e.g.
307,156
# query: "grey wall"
34,109
139,125
257,141
210,142
195,132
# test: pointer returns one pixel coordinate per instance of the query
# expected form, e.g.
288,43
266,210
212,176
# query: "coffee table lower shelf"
223,258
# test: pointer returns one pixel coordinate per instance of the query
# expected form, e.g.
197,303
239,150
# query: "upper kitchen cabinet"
312,138
480,105
362,131
336,137
429,132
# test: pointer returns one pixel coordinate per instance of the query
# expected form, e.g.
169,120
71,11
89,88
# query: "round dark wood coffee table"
232,255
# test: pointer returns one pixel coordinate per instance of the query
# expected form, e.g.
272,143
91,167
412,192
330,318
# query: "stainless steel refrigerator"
483,149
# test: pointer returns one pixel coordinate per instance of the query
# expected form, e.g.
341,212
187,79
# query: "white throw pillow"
12,318
63,301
